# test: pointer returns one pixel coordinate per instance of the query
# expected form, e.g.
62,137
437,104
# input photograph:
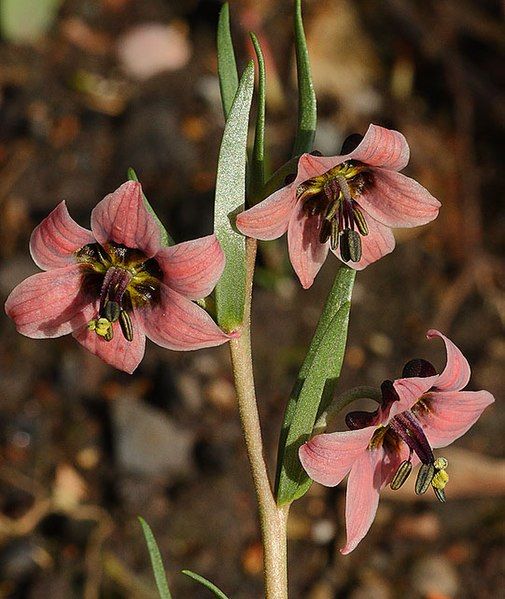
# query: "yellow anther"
102,327
440,479
441,463
92,325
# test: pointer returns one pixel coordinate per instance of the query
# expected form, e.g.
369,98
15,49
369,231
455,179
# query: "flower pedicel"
346,203
419,412
116,284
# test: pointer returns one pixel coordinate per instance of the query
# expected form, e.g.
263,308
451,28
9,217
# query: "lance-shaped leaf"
165,237
257,168
156,561
226,64
206,583
230,198
307,108
314,387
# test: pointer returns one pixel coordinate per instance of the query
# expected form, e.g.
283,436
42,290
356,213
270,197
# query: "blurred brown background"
84,449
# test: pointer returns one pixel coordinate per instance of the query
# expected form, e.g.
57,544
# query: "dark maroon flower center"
405,427
331,198
122,279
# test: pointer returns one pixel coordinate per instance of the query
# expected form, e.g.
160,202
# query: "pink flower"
116,284
348,203
419,412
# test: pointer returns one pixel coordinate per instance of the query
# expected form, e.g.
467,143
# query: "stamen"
325,231
126,325
403,472
111,311
334,235
424,478
418,367
360,221
350,246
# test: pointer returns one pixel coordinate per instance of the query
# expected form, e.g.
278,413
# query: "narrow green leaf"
226,63
314,387
257,171
307,108
206,583
156,561
230,198
165,237
27,20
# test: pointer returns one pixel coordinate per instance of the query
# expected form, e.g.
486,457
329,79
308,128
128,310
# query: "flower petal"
456,373
409,390
306,253
449,414
54,242
398,201
49,304
179,324
269,219
363,488
379,242
122,217
120,353
192,268
328,458
382,147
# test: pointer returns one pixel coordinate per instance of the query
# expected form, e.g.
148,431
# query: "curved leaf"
314,387
226,63
230,199
206,583
307,107
257,169
156,561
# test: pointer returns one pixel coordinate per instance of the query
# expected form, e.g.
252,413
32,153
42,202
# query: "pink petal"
379,147
379,242
456,373
410,390
54,242
119,353
362,499
49,304
328,458
382,147
306,253
398,201
192,268
179,324
269,219
450,414
122,217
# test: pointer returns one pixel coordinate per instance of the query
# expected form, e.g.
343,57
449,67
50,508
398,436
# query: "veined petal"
446,415
379,242
398,201
118,352
328,458
456,373
306,253
54,242
122,217
192,268
49,304
362,498
409,390
269,219
382,147
179,324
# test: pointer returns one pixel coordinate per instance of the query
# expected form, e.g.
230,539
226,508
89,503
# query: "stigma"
331,198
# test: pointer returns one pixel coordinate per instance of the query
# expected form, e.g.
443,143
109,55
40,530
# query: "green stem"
273,519
327,418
